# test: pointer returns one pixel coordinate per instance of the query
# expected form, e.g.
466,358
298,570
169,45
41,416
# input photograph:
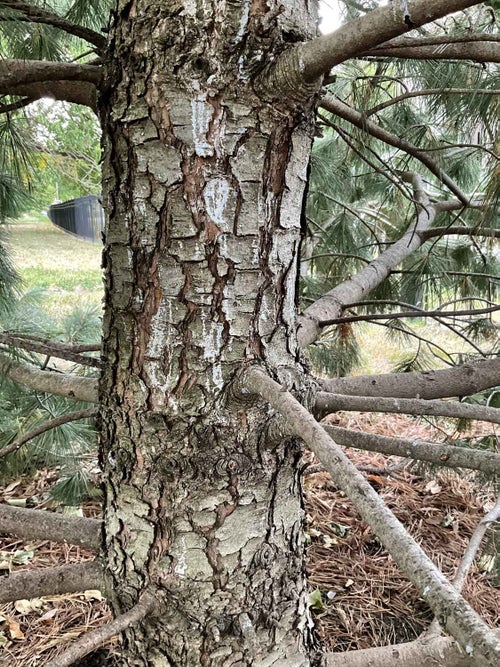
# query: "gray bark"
73,578
462,380
59,384
204,184
327,403
440,454
42,525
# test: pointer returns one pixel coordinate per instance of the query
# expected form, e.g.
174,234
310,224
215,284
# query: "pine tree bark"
204,183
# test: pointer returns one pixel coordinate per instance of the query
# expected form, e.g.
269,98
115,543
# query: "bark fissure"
205,205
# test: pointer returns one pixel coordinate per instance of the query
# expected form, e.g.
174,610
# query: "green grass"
48,258
61,278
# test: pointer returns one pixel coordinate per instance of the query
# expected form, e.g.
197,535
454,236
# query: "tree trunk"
204,183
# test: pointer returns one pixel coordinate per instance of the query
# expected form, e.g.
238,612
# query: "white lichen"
181,564
212,349
201,117
243,21
216,196
190,7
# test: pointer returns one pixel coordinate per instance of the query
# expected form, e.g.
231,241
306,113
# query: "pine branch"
439,314
60,384
72,578
475,542
442,651
330,305
462,380
78,348
305,63
78,92
468,558
72,82
358,119
459,619
447,456
479,52
33,14
437,40
47,426
460,231
326,403
50,348
14,73
426,92
92,640
42,525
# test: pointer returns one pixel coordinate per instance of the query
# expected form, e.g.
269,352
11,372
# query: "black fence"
83,217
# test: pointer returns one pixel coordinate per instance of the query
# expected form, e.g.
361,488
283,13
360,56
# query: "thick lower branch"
51,581
327,403
92,640
380,25
60,384
42,525
442,651
77,92
450,608
463,380
19,72
448,456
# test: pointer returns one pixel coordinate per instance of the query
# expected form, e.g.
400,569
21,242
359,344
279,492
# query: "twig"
358,119
429,91
359,285
92,640
376,470
33,14
47,426
409,314
468,558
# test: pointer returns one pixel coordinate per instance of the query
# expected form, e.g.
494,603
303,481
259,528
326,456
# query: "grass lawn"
65,266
